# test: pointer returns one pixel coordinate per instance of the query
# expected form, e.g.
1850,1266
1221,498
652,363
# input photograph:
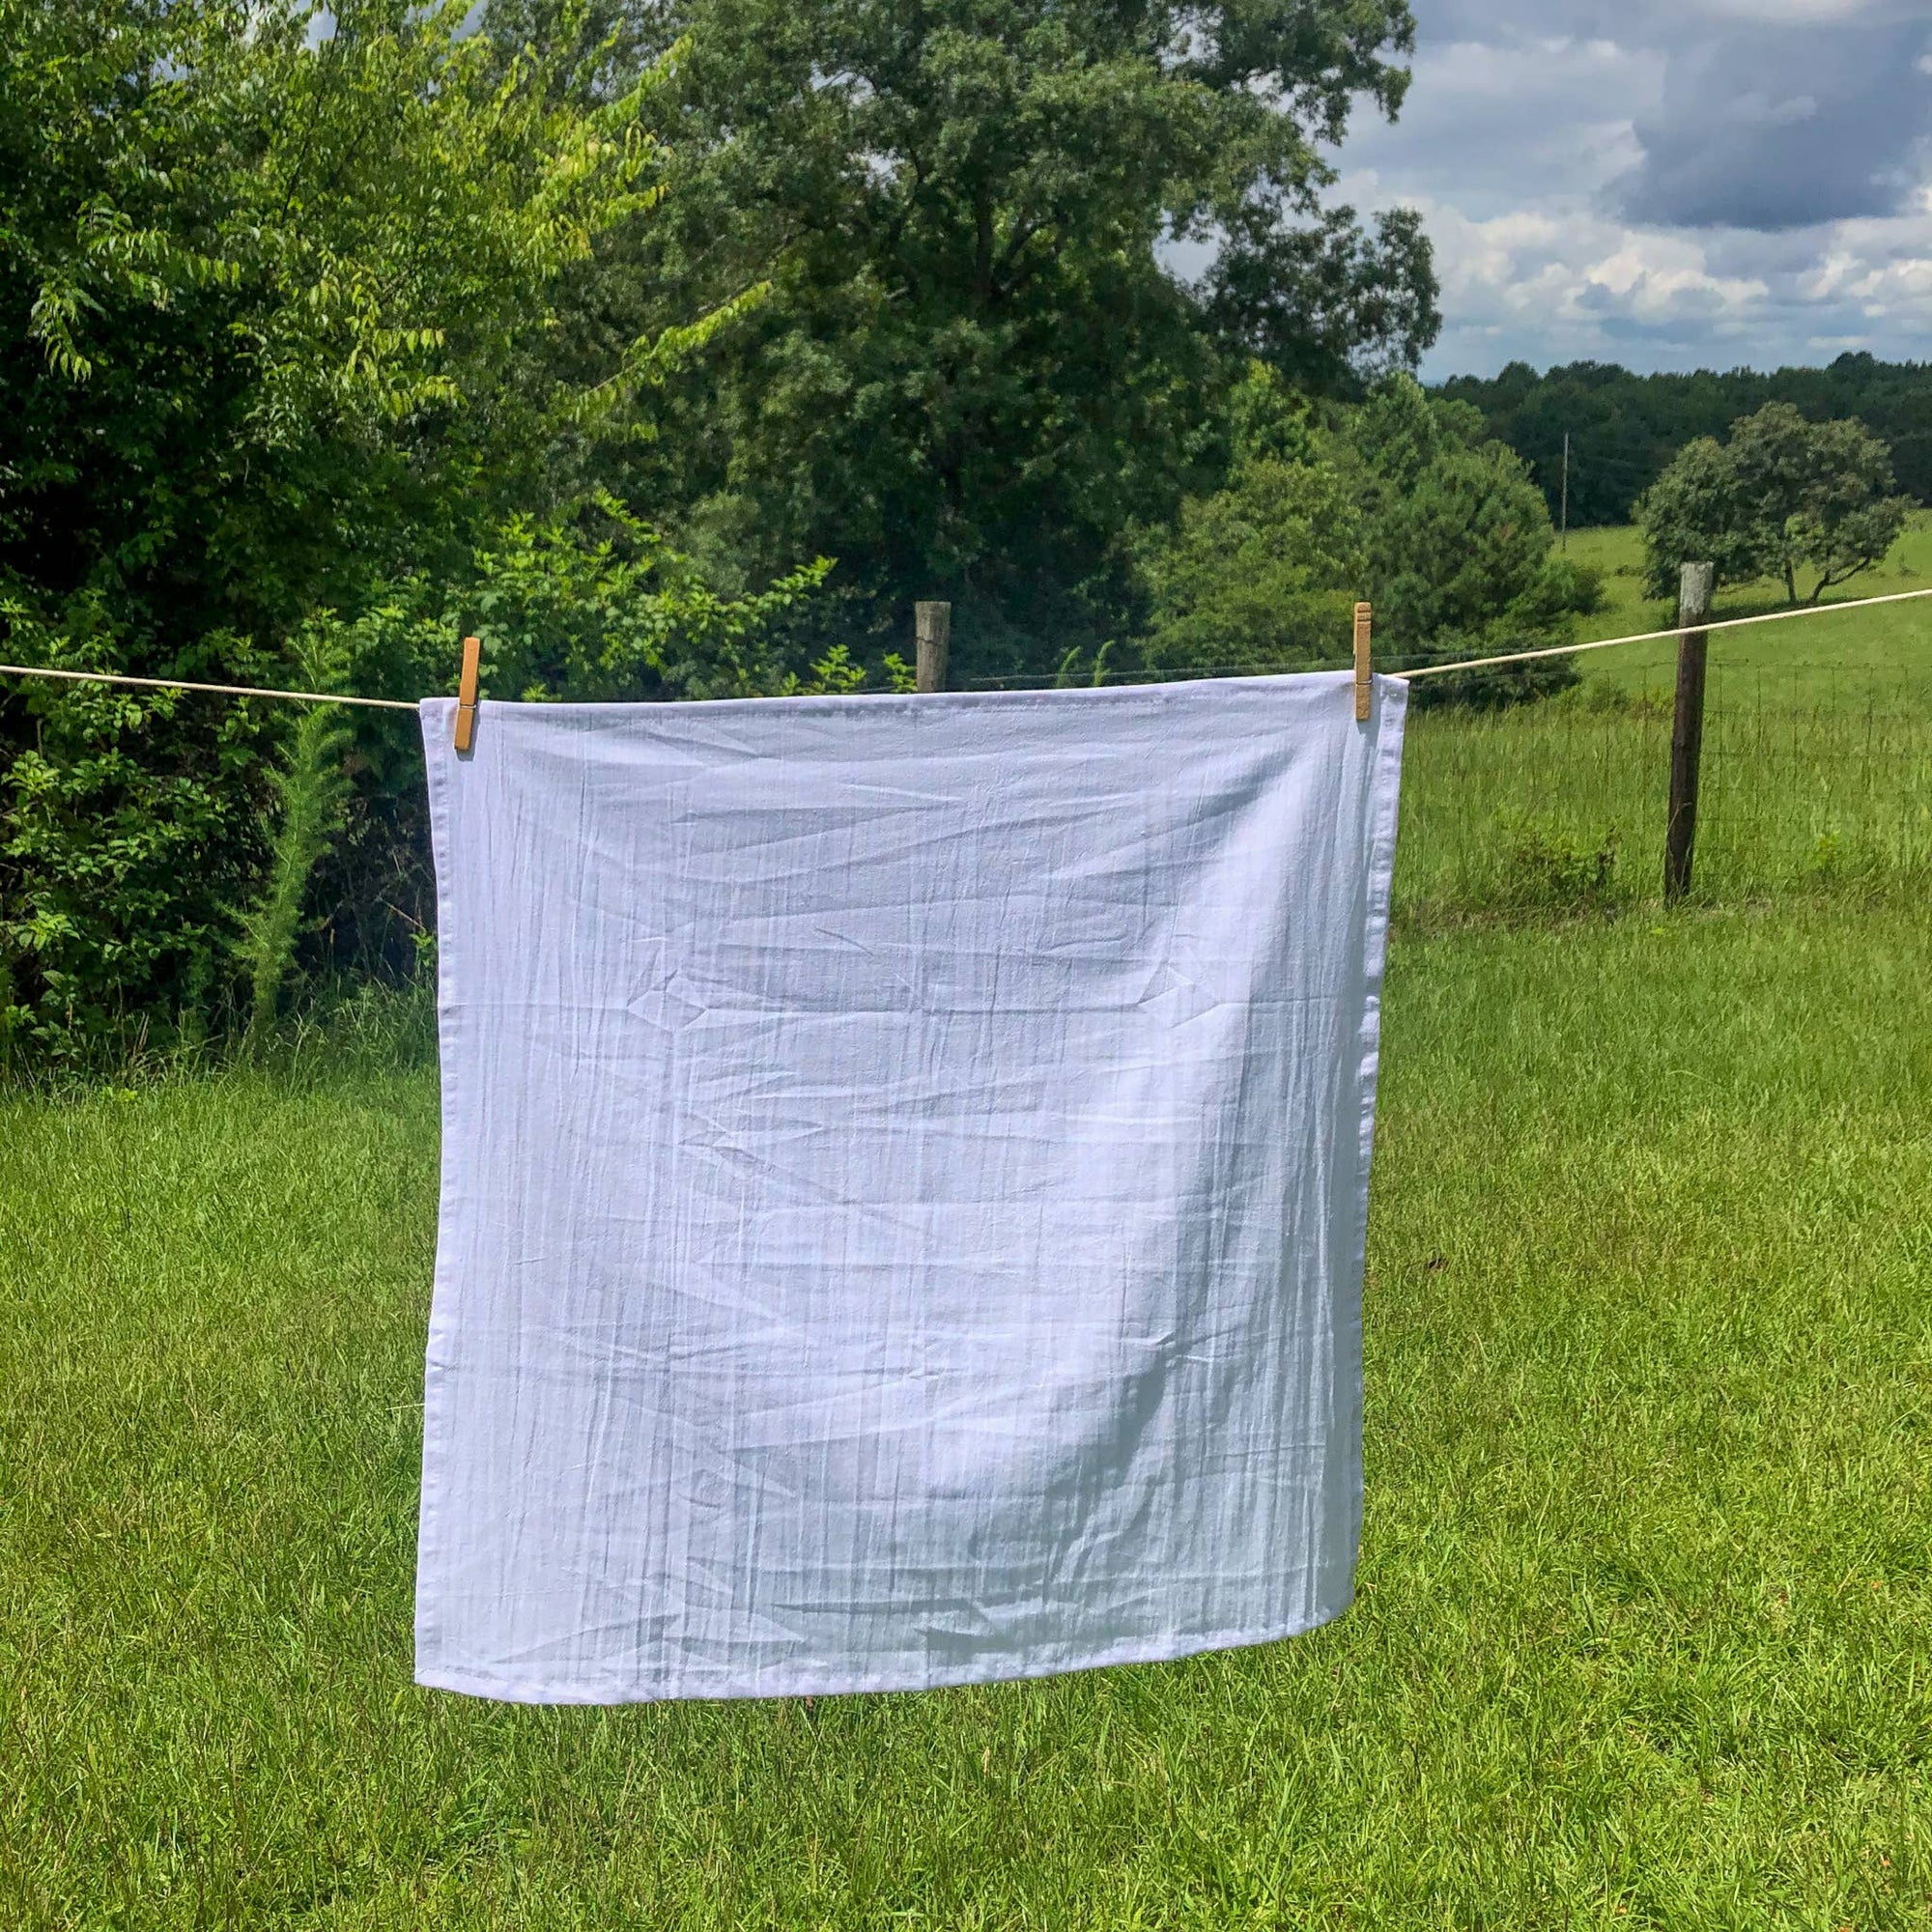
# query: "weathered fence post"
933,624
1687,728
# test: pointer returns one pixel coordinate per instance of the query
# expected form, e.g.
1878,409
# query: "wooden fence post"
1687,728
933,624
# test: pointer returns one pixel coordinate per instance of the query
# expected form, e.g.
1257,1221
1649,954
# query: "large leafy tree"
1782,497
977,364
263,287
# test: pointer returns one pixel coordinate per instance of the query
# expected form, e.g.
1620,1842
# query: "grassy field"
1848,661
1644,1635
1644,1631
1817,773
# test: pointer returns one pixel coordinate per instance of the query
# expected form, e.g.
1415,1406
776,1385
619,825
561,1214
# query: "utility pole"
1696,582
1566,490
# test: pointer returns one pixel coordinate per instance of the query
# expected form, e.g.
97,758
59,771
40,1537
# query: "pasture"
1817,773
1644,1627
1840,661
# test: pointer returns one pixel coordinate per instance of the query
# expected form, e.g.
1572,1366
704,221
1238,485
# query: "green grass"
1644,1635
1809,663
1817,767
1562,807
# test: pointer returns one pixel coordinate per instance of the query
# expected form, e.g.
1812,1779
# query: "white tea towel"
904,1171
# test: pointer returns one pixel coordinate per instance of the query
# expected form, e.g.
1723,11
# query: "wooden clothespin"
1363,615
465,734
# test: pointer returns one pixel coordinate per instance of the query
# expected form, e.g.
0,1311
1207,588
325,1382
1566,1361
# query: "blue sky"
1678,185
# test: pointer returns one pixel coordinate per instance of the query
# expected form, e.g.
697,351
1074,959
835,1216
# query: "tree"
279,313
1695,512
1399,499
1625,429
975,369
1821,493
266,293
1782,497
1257,577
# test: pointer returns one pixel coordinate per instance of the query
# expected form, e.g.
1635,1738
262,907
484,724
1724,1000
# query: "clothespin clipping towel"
465,734
1362,619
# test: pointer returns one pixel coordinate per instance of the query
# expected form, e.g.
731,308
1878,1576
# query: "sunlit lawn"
1645,1626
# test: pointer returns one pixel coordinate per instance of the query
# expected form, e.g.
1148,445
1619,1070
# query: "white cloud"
1555,170
1559,283
1653,274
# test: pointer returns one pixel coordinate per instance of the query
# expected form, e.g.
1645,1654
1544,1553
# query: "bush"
1545,870
1398,499
129,828
158,852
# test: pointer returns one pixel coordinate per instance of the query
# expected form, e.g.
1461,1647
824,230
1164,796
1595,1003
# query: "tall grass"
1562,807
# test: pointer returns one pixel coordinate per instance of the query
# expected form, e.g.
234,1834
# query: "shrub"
1548,870
1398,499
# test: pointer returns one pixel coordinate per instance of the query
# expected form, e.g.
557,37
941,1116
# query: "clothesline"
1422,670
1653,637
224,690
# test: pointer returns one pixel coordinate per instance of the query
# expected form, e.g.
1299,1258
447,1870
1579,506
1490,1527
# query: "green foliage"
973,370
582,324
312,789
1397,498
129,826
1546,870
1258,575
269,292
1695,512
1624,429
1781,496
292,314
583,604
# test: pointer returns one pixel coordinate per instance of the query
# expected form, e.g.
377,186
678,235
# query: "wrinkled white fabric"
904,1172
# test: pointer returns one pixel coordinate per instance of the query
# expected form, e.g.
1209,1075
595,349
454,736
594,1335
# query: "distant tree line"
1625,429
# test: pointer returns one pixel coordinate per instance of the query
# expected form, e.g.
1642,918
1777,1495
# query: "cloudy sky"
1667,183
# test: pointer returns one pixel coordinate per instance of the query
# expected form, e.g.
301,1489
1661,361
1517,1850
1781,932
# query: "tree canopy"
672,345
1781,496
1625,429
977,365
